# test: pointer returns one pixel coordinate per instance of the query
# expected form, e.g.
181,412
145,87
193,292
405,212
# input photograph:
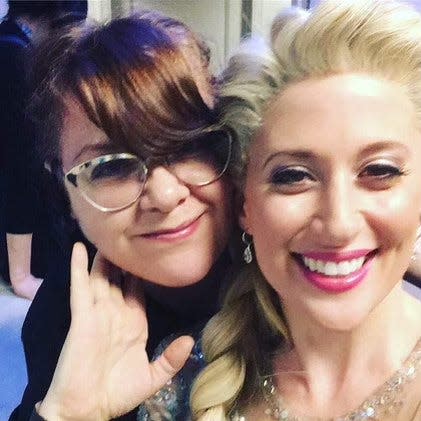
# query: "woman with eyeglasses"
129,128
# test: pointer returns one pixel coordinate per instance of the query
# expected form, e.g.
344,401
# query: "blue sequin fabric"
171,403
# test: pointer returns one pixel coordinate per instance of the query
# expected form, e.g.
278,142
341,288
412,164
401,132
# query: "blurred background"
221,22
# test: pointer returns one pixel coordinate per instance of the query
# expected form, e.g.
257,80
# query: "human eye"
114,169
291,179
213,151
381,175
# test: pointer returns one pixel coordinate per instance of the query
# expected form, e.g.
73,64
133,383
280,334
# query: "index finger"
105,278
80,294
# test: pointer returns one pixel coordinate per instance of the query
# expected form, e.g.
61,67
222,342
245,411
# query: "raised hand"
103,370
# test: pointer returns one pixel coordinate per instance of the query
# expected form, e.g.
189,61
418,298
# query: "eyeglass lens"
118,182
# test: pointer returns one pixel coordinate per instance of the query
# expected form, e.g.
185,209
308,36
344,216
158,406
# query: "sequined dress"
171,403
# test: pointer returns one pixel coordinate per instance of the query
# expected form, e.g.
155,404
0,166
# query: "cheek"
275,222
98,227
272,217
396,217
219,196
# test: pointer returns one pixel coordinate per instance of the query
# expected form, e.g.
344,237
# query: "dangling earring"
247,253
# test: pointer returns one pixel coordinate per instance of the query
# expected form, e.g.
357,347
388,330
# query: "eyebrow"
303,154
307,154
382,145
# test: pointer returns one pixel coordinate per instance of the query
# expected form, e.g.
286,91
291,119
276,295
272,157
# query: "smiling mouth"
333,268
182,231
335,273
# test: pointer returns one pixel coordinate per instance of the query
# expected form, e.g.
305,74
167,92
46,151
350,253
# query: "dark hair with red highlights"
140,79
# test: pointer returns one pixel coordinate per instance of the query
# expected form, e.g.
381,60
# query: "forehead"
339,108
77,132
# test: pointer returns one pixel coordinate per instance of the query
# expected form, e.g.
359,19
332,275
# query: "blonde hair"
380,38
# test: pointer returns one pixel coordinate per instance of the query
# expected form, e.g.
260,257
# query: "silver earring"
247,253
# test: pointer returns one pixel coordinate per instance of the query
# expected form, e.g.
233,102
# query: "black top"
17,144
29,199
169,310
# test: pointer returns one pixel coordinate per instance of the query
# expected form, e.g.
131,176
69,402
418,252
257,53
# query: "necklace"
385,401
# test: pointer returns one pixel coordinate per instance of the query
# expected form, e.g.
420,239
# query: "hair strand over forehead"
140,79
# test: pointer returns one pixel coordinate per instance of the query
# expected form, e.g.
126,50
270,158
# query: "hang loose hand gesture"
103,370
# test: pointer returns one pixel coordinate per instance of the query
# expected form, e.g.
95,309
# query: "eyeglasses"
115,181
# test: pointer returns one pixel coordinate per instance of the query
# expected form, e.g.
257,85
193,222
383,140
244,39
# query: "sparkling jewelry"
247,254
384,401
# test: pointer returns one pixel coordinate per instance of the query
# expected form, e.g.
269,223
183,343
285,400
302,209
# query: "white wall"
263,13
219,21
99,10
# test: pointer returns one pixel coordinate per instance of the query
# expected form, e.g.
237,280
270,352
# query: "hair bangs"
140,79
147,102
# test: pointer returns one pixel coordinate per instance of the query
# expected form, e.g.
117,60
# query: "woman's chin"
340,318
179,275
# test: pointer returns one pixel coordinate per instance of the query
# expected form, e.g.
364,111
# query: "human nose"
163,191
339,217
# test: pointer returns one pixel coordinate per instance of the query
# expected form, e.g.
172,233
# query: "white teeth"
320,266
344,268
312,264
333,269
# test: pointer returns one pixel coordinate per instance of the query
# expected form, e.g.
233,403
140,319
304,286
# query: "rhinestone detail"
385,401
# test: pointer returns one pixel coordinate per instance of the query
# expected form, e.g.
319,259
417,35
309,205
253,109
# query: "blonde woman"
318,327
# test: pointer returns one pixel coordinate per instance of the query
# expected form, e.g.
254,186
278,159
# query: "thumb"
171,361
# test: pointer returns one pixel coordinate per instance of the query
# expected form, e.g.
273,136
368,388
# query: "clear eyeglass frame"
72,175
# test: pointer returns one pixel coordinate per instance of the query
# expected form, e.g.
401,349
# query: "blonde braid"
220,382
230,341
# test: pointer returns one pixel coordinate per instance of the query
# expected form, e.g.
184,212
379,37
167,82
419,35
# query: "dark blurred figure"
30,225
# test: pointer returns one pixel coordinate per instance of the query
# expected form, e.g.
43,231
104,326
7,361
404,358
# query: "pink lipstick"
335,272
338,257
177,234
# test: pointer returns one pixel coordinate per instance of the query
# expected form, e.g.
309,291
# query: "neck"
197,301
347,366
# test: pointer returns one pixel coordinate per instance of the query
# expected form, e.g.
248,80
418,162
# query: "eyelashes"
383,171
291,180
377,176
289,176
